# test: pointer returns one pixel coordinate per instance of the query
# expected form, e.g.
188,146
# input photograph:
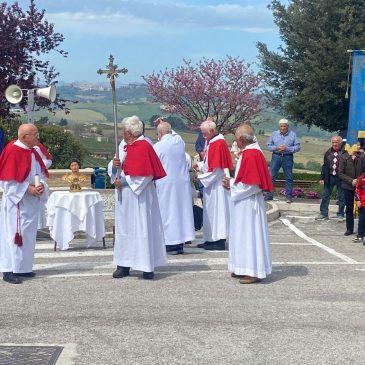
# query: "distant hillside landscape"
91,120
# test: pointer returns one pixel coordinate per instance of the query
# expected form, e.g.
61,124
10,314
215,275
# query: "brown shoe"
249,280
233,275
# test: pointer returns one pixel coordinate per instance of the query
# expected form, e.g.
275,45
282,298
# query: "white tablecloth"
69,212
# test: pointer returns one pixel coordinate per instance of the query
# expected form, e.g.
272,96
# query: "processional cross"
113,72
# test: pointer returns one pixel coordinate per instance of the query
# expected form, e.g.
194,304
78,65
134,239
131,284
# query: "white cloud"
130,18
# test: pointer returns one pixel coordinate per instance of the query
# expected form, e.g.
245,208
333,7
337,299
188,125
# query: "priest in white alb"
249,246
139,239
23,181
174,190
216,164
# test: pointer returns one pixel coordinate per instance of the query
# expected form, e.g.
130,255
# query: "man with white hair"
216,164
139,240
174,191
23,180
329,179
249,246
283,144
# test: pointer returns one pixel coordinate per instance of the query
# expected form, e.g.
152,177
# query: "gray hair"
283,121
134,125
208,125
164,128
245,132
336,137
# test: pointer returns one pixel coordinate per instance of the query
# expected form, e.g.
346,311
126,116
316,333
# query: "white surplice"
12,257
249,244
216,201
139,238
174,191
42,221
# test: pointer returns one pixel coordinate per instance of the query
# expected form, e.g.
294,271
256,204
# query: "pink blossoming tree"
227,90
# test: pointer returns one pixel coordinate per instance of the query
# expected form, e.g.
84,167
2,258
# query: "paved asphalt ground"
311,310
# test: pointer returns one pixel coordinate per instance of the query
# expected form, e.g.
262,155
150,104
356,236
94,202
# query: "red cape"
15,163
142,160
254,170
219,156
45,152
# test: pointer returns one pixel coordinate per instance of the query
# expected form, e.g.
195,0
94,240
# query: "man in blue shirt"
283,144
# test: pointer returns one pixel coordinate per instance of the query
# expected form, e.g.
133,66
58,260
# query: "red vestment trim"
142,160
219,156
253,170
15,162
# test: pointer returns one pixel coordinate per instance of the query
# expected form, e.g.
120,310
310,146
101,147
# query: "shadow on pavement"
282,272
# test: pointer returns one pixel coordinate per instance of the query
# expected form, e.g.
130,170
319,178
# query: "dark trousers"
286,162
327,190
349,201
361,227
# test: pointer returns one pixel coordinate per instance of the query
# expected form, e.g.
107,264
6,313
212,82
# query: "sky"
149,36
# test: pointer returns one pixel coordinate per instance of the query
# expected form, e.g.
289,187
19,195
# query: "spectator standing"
330,179
360,197
350,168
283,144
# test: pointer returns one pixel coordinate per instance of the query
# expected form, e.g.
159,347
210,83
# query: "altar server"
216,164
23,180
249,247
174,190
139,239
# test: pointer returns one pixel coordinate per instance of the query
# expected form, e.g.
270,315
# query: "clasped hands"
35,190
226,182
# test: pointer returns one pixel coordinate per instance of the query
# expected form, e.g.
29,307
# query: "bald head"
244,135
28,134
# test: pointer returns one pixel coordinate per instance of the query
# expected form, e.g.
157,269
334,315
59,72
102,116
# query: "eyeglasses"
32,134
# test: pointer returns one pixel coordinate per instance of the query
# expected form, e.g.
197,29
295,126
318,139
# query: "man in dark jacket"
329,178
349,170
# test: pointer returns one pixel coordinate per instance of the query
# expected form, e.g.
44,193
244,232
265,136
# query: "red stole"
253,170
15,162
142,160
219,156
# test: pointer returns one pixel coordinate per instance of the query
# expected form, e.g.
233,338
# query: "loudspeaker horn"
49,93
13,94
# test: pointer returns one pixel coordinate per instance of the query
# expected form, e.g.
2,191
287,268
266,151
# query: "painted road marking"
331,251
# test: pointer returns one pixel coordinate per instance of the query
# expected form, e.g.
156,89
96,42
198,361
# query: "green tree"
63,146
43,120
63,122
306,77
25,38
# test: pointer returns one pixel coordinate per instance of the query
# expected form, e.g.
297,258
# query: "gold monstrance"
75,181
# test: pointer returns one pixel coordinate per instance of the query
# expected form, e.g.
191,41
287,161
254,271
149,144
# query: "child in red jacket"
360,197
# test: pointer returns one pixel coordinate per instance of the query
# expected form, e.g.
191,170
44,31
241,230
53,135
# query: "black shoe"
148,275
219,245
204,244
31,274
10,278
348,233
121,272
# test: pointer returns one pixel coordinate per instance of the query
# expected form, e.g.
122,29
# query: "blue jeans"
286,162
334,180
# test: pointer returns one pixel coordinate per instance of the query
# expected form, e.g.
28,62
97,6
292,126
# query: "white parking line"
331,251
